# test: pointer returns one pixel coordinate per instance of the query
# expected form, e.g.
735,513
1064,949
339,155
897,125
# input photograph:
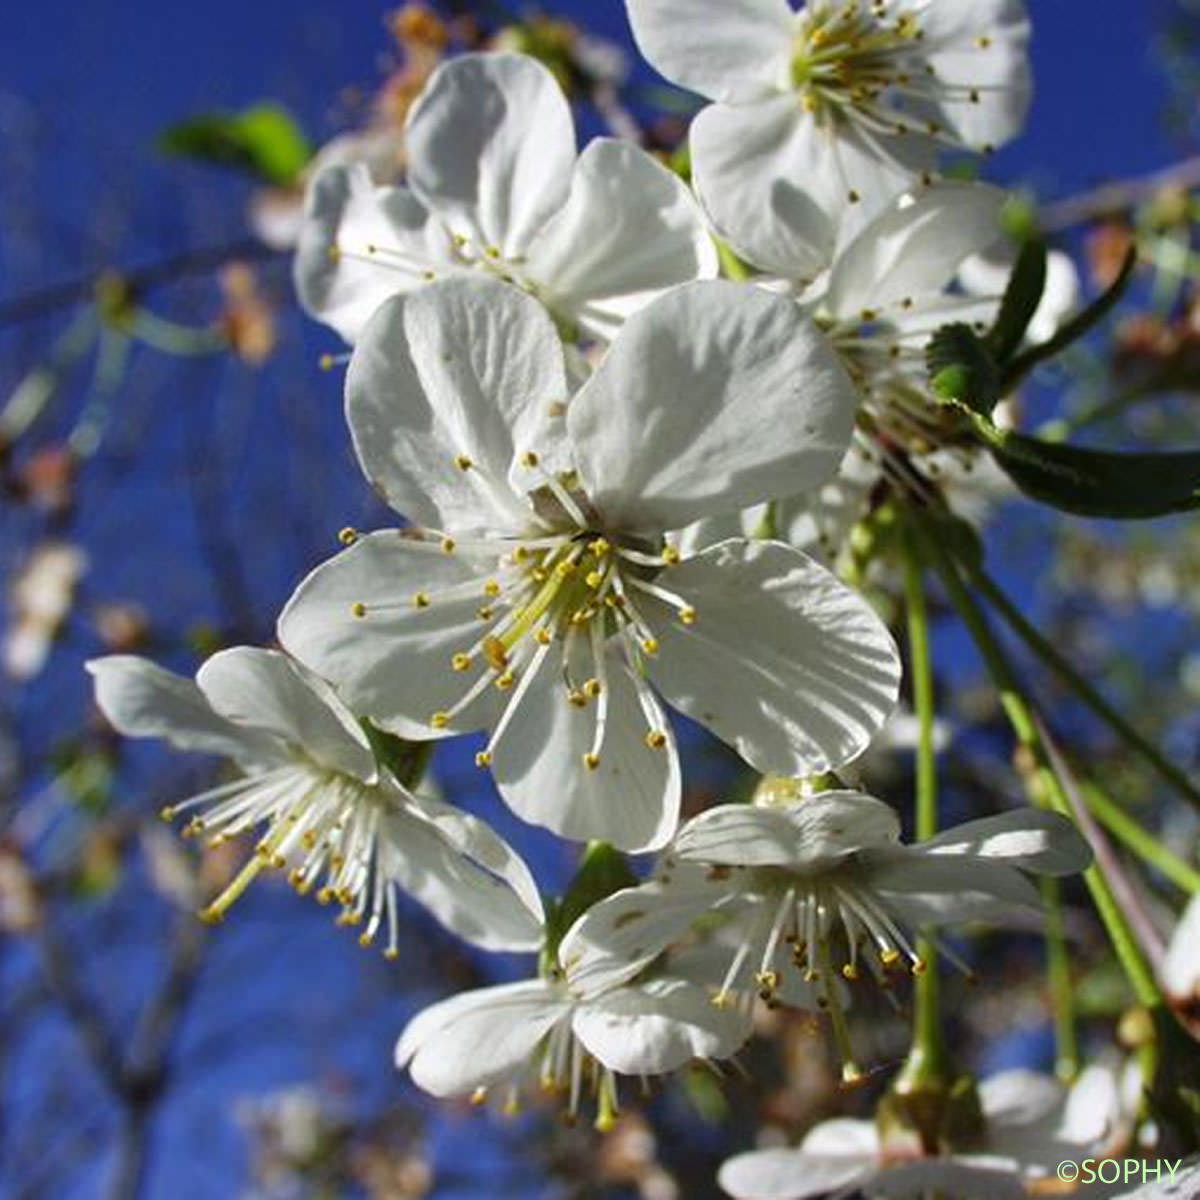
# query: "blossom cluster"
627,422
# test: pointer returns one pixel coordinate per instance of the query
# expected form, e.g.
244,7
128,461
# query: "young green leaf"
1021,299
263,140
1097,483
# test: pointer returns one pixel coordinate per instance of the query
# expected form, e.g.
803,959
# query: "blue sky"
111,76
126,69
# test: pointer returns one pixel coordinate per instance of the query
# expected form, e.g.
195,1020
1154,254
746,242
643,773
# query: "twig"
1117,197
47,301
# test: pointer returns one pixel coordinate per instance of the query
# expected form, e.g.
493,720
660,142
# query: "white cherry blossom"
818,886
495,186
826,112
542,1033
1031,1123
325,811
1180,970
889,289
549,607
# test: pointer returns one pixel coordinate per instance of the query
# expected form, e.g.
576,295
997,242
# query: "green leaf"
1080,325
1097,483
962,369
263,140
1021,299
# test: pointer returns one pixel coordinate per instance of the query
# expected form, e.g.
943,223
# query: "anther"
495,653
421,600
529,459
670,556
483,759
461,662
492,588
358,609
439,720
656,739
591,761
449,545
687,614
463,463
650,646
167,813
592,688
348,536
505,681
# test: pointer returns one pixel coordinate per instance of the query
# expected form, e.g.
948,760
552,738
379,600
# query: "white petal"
778,187
631,799
475,838
819,522
914,247
468,366
712,398
491,145
784,662
360,244
265,690
657,1026
1093,1107
980,1177
629,230
1020,1097
478,1038
141,699
439,870
981,46
1029,838
616,938
842,1135
807,835
793,1174
394,663
723,49
1181,966
1059,300
934,889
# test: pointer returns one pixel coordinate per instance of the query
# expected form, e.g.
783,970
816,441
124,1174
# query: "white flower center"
863,65
462,253
567,588
321,822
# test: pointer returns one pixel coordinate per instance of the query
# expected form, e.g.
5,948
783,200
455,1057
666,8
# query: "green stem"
1086,692
732,267
928,1052
1062,994
1123,827
1048,785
